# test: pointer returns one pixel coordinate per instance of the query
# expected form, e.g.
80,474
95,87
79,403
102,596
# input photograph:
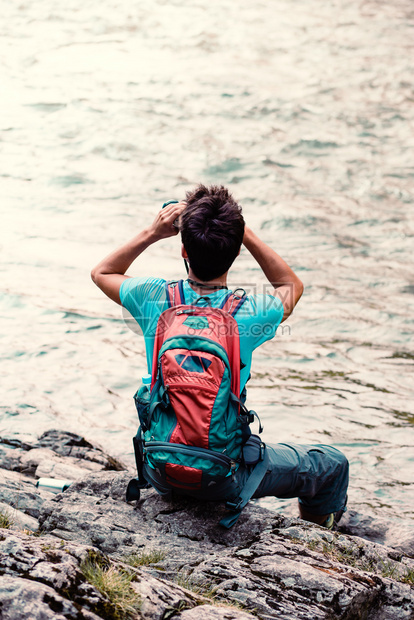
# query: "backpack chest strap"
231,303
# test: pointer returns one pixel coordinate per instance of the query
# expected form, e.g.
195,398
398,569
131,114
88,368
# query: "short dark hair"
212,229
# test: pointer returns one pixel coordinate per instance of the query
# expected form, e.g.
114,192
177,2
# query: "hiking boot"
330,521
334,518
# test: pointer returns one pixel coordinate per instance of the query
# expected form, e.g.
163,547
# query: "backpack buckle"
164,398
248,417
253,415
234,506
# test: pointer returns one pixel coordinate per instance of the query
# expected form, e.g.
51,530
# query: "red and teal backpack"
193,423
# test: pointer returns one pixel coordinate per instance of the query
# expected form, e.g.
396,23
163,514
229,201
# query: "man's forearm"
109,274
276,270
118,261
288,287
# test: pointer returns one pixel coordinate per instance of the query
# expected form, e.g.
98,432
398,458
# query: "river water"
304,109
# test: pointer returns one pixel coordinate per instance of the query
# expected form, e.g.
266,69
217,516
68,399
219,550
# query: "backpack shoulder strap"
233,301
175,293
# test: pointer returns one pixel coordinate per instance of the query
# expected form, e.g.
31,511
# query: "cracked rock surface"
266,566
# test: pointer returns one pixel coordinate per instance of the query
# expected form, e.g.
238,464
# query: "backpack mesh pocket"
142,403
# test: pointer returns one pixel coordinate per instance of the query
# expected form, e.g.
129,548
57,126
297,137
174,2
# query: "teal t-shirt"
257,319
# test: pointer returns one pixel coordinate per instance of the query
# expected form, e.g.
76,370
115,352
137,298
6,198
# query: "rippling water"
305,110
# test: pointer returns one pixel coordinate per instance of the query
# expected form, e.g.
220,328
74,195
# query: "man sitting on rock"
212,231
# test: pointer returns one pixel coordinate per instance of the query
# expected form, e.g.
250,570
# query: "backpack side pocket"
142,403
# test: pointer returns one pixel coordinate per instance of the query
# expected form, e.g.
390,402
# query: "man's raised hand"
163,225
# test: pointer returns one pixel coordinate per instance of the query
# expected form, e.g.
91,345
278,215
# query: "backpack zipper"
224,356
193,450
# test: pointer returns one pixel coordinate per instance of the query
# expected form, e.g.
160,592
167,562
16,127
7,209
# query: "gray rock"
161,598
206,612
70,444
25,458
31,459
53,569
273,566
399,535
94,510
267,565
20,492
48,566
23,599
44,463
11,456
19,519
282,580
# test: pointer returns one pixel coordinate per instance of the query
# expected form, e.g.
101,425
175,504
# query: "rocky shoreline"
87,554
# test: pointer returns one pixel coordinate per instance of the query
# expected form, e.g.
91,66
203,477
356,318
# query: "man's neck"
212,285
